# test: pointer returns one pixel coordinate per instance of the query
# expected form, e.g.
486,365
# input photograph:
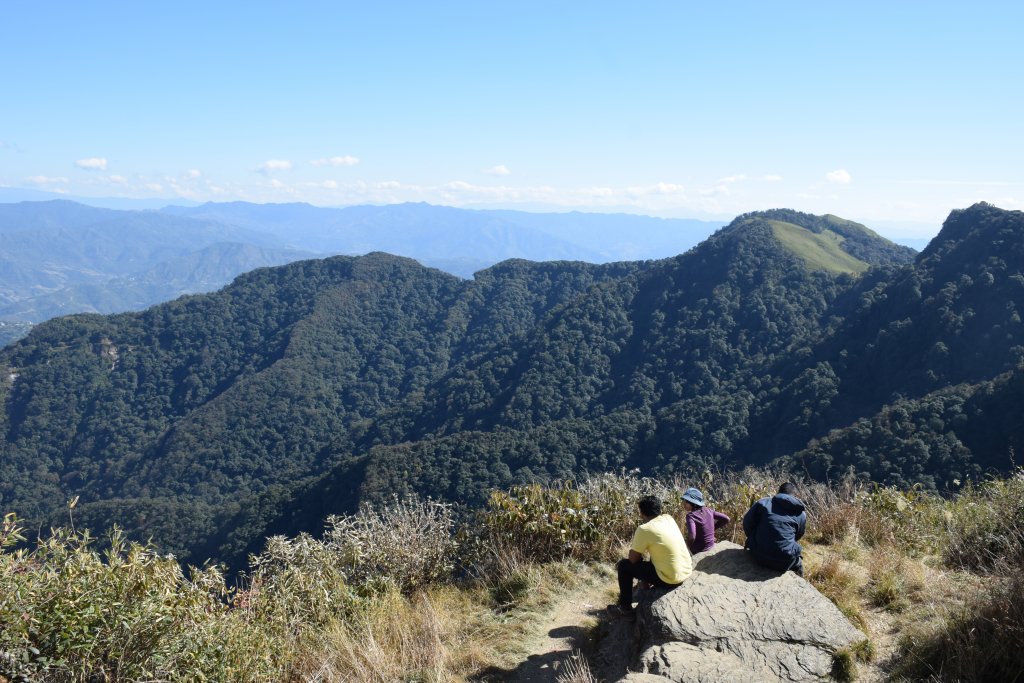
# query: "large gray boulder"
733,620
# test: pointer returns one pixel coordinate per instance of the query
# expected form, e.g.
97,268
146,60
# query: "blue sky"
890,113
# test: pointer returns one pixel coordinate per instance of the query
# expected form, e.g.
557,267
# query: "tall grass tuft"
985,524
979,642
576,670
896,580
838,582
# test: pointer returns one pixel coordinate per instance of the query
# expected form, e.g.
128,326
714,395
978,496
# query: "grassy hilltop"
407,593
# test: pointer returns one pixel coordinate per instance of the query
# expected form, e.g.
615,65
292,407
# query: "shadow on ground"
545,668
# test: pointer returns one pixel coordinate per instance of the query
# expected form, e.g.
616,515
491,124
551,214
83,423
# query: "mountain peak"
981,221
826,243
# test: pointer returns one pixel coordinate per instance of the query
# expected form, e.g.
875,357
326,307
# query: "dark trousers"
782,564
642,570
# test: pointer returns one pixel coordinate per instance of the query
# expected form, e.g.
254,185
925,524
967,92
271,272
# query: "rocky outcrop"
733,620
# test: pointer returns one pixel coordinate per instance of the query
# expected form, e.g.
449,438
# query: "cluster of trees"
302,390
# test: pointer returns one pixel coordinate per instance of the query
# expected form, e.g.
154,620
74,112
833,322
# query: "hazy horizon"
888,114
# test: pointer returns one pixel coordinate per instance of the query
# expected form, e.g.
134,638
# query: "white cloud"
154,187
839,177
193,173
330,184
772,178
92,164
45,180
658,189
271,165
720,188
119,179
500,169
732,179
336,161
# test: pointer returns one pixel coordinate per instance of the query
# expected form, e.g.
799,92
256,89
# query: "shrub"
911,520
296,584
406,545
69,613
585,521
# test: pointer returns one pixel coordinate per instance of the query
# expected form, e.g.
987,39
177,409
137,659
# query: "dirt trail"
568,628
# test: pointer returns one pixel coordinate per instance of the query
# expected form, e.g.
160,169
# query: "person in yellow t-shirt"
658,537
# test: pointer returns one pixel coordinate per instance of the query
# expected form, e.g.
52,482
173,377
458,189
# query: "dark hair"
789,488
650,506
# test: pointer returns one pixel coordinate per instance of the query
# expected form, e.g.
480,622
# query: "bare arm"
634,556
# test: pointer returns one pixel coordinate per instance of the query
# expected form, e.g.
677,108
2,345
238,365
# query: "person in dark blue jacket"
773,526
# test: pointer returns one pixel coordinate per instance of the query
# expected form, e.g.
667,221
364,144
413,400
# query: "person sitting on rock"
660,538
701,522
773,526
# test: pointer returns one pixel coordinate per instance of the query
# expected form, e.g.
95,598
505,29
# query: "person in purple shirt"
701,522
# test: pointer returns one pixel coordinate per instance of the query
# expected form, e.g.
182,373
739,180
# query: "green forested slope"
300,390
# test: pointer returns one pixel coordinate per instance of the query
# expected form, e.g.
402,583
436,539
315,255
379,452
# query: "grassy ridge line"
821,251
381,597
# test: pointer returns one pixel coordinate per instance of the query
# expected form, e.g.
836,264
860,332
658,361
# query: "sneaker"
646,585
617,610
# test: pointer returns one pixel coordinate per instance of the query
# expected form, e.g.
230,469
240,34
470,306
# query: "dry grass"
576,670
942,577
444,634
896,580
840,581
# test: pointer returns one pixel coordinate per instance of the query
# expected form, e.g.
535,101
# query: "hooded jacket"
773,526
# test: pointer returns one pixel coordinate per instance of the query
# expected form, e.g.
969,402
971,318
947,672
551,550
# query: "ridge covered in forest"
301,390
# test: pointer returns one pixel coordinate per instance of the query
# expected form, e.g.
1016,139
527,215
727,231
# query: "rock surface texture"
733,620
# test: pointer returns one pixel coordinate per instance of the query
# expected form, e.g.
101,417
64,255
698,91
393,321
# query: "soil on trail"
570,630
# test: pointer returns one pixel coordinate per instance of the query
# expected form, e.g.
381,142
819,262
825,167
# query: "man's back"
773,526
662,539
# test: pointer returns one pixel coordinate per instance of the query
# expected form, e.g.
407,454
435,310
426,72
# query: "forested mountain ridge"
303,389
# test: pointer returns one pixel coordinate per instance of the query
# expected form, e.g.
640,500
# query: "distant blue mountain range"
59,256
461,241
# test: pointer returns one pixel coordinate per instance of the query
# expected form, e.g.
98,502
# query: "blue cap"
694,496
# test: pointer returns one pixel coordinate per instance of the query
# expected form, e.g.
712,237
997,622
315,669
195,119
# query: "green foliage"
69,613
580,520
909,519
303,391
